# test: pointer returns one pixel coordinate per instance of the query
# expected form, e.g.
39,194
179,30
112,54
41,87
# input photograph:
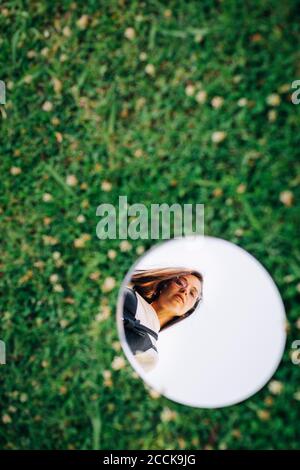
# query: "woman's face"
181,294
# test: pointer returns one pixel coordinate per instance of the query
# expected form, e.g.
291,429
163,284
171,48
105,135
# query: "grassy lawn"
186,102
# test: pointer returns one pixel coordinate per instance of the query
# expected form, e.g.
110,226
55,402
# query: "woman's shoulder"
130,299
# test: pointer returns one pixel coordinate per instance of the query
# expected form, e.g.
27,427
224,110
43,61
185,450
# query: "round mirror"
201,321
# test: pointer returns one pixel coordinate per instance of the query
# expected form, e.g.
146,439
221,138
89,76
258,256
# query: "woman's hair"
150,282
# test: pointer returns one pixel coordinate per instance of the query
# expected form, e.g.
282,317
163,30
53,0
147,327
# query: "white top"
148,317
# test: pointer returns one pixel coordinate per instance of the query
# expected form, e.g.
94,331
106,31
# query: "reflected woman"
155,300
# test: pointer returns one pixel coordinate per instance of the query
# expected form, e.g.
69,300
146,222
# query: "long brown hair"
150,282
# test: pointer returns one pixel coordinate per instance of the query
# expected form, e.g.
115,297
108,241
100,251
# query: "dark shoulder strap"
130,302
129,312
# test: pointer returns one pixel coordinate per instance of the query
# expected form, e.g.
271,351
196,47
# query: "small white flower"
109,284
28,79
71,180
239,232
47,197
190,90
143,56
106,374
81,241
138,153
83,22
23,397
154,394
6,419
272,115
273,99
58,288
140,250
218,136
118,363
47,106
241,188
106,186
15,170
168,415
57,85
242,102
111,254
287,198
217,102
67,31
80,219
125,246
45,51
54,278
129,33
201,96
275,387
150,69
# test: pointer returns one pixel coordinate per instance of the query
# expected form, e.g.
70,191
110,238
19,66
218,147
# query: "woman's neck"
164,316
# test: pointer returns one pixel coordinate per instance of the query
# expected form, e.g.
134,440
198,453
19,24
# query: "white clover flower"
241,188
47,106
201,96
272,115
106,374
23,397
58,288
118,363
168,415
143,56
109,284
287,198
242,102
218,136
54,278
81,241
140,250
190,90
125,246
63,323
217,102
57,85
264,415
275,387
67,31
15,170
83,22
80,219
150,69
273,99
6,419
111,254
138,153
71,180
47,197
129,33
106,186
154,394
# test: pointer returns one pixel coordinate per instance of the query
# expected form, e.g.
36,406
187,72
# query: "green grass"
105,107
